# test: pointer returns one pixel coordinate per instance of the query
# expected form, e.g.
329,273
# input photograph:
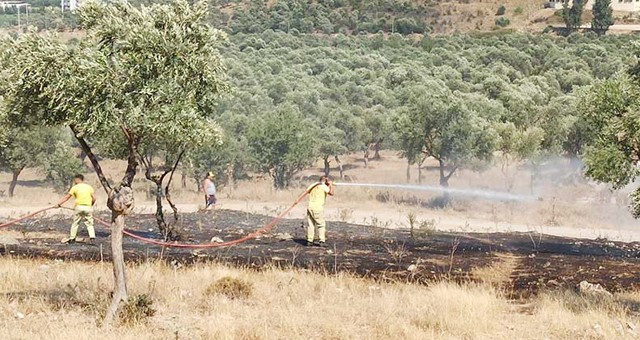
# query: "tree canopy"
602,16
140,75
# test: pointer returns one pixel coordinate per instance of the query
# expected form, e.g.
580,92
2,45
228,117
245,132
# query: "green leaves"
609,164
282,144
442,125
602,15
611,113
145,76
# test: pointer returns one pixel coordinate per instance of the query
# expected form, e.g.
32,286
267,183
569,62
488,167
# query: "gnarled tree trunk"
327,165
14,181
120,202
376,149
444,181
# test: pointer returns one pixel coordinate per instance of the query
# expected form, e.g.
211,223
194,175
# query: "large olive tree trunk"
120,202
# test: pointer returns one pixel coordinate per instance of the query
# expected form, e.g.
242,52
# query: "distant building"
69,5
617,5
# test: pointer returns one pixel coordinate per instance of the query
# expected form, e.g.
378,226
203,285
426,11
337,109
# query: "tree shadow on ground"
32,183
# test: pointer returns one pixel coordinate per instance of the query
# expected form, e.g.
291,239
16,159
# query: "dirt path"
522,263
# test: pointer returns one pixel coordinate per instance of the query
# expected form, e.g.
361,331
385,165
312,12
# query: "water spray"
486,194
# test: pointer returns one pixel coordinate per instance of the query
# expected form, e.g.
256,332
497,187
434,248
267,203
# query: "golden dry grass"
63,300
499,272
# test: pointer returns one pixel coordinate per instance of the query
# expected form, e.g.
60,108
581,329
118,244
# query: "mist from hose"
485,194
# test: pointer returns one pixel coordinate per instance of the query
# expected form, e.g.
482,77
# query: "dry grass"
498,273
60,300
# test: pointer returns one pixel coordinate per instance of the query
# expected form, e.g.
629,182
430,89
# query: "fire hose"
131,234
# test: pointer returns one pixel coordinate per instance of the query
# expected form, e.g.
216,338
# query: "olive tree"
26,148
516,144
139,74
441,125
282,144
610,110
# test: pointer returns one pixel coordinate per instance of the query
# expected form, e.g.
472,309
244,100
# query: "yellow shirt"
82,193
317,196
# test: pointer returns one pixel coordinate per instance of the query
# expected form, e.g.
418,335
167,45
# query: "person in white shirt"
209,189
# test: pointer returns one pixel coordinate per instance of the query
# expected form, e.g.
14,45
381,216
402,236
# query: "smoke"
485,194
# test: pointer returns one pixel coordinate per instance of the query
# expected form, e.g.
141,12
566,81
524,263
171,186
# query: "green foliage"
602,16
573,15
144,76
609,109
219,158
444,126
519,143
502,22
635,203
282,144
27,147
44,148
350,16
518,10
61,165
501,10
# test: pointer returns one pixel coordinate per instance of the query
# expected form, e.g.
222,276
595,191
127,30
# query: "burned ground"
536,261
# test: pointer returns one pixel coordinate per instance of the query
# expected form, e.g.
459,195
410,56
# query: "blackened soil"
542,261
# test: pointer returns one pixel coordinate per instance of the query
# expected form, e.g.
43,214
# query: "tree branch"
132,162
167,195
451,172
92,157
147,166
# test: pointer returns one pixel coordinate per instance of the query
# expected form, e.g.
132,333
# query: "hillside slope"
405,17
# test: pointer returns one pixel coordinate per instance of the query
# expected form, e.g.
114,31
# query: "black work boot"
70,241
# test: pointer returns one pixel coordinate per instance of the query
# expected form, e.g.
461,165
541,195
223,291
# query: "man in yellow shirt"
85,199
315,212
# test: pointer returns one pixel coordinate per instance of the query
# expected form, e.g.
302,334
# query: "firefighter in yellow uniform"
84,200
315,212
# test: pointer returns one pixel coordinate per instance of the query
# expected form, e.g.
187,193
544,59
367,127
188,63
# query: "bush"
502,22
501,10
138,309
518,11
230,287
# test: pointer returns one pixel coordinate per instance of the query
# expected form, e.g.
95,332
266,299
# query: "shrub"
138,309
501,10
230,287
502,22
518,11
